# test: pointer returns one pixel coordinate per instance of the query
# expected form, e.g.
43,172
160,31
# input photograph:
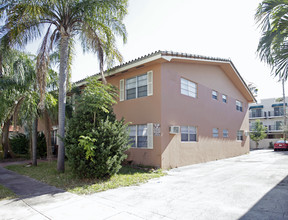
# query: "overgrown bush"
99,153
19,143
95,141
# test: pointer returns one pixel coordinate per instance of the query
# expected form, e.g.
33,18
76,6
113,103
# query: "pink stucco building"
183,109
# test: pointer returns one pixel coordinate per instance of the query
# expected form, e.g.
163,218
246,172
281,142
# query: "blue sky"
222,28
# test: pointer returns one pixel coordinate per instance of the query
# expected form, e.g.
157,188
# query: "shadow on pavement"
274,205
25,187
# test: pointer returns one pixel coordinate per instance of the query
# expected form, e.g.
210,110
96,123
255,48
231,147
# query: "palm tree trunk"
34,142
1,74
5,138
64,45
47,132
284,109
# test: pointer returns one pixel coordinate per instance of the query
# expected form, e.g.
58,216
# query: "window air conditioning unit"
174,129
246,133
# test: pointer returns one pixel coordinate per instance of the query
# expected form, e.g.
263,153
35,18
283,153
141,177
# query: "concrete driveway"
253,186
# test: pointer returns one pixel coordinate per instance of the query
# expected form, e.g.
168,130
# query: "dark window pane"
131,93
192,137
141,141
184,137
132,141
142,91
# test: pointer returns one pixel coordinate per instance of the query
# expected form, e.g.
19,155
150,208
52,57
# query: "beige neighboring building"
271,113
184,109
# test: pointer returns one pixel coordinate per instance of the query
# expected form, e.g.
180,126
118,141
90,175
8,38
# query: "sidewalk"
41,201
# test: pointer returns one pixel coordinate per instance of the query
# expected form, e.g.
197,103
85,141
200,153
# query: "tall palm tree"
95,22
272,17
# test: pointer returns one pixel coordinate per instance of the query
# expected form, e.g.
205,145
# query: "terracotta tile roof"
162,53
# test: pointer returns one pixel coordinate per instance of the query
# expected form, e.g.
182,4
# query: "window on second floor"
136,87
224,98
256,112
188,88
239,106
278,111
214,95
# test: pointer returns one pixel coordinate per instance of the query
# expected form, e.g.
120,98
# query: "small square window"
188,88
214,95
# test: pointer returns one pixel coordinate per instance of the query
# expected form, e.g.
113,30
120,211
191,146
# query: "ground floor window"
188,133
239,135
225,133
138,136
215,132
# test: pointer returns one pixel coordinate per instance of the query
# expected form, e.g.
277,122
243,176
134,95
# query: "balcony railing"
269,128
275,114
257,114
275,128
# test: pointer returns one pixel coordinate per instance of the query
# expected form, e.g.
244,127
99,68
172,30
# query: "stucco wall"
142,111
203,112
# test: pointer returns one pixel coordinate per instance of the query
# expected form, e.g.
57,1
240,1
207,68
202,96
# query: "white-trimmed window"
240,135
215,132
225,133
188,88
239,106
188,133
224,98
141,135
136,87
214,95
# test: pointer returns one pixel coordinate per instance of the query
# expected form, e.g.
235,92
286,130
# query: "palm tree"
16,87
95,22
272,17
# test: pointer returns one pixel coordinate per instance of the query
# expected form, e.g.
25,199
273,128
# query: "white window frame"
223,95
214,95
239,106
215,132
192,85
149,134
123,90
188,127
240,135
225,133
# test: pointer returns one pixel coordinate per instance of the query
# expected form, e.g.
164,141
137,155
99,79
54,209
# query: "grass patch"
47,172
6,193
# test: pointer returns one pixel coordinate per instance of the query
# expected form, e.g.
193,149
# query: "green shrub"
95,141
101,152
19,143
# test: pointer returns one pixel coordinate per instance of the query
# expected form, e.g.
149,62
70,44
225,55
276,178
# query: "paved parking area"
253,186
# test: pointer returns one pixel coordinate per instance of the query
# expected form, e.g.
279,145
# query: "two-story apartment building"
183,108
271,113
